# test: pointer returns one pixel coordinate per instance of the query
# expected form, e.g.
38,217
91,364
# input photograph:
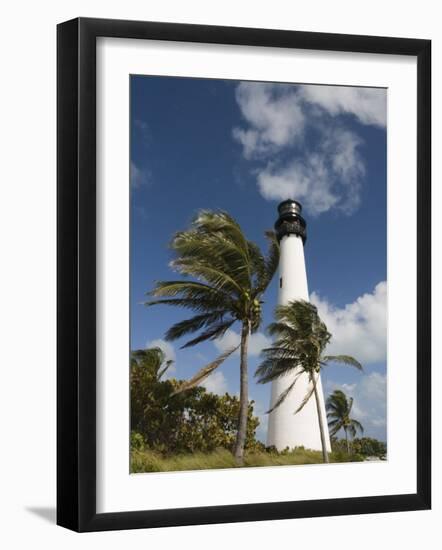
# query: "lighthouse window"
280,282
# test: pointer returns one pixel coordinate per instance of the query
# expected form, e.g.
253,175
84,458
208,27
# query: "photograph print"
258,274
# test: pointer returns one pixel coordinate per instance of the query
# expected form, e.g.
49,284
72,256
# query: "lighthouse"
287,429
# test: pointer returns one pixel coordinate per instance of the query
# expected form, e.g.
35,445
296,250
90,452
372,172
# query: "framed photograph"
243,274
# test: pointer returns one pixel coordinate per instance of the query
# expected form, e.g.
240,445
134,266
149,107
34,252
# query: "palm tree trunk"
321,424
346,439
243,396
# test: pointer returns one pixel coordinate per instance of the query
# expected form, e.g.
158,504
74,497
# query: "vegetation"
365,447
229,275
300,340
150,461
178,425
169,423
196,429
339,407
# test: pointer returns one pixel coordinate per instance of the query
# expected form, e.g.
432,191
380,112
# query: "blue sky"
243,147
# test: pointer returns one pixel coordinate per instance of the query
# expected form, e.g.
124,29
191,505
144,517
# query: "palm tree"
152,360
301,338
229,276
338,414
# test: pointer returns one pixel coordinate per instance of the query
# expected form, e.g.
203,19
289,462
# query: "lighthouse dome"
290,220
289,206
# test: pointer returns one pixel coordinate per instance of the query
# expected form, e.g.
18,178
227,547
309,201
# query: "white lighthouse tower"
285,428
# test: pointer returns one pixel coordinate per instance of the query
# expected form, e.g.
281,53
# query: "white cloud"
370,402
229,340
216,383
167,347
139,177
368,105
169,352
359,328
274,116
329,173
257,342
327,177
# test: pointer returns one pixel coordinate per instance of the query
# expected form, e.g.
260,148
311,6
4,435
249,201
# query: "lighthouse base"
287,429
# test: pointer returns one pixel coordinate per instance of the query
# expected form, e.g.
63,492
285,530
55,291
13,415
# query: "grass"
149,461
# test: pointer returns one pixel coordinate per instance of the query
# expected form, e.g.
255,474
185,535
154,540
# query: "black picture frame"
76,274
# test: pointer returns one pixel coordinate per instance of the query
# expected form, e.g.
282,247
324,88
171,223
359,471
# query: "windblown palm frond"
273,368
226,276
343,359
206,371
153,360
300,338
229,275
268,265
339,407
212,333
307,396
195,323
282,397
357,426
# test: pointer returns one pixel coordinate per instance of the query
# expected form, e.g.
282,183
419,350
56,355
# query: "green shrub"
364,446
137,441
368,446
189,422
